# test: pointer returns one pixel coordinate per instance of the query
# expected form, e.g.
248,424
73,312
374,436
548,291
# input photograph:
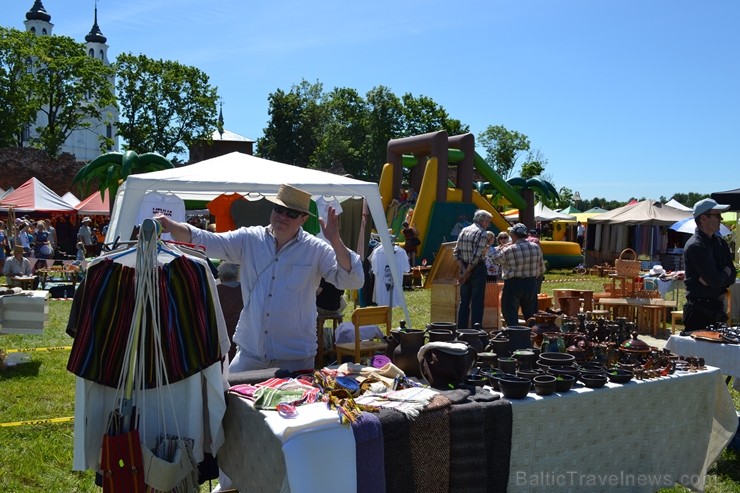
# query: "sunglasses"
291,213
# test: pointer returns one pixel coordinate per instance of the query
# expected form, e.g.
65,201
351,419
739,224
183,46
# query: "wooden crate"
27,313
445,300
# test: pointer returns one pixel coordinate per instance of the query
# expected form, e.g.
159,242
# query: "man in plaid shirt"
522,264
469,253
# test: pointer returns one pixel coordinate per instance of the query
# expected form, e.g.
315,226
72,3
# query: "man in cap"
470,254
709,269
522,266
280,267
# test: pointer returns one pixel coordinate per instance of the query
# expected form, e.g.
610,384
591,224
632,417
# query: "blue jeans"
472,297
519,292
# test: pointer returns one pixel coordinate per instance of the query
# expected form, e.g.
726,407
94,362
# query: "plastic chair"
377,315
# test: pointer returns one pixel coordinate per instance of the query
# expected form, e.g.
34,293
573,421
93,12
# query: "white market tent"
678,205
243,173
71,199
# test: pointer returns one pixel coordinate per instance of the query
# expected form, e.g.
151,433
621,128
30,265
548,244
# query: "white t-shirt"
167,204
383,277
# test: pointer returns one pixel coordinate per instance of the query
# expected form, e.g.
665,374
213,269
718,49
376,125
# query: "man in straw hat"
84,234
280,268
709,269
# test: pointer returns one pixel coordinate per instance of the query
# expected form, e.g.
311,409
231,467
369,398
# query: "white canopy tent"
243,173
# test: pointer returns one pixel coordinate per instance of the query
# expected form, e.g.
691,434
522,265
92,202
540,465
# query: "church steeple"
96,35
38,13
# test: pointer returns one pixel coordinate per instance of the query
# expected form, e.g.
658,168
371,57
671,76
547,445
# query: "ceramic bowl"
592,373
514,387
564,383
476,380
493,376
619,375
544,384
564,370
592,366
594,381
552,358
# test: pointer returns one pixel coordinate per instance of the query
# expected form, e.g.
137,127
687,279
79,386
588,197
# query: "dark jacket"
706,258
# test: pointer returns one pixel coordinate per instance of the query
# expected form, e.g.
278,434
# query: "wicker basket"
627,268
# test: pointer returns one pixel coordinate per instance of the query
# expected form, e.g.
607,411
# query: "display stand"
626,286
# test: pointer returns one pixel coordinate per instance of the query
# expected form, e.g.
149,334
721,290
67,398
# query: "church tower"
84,143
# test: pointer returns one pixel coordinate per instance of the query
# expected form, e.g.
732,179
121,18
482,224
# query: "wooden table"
561,442
58,273
648,313
584,297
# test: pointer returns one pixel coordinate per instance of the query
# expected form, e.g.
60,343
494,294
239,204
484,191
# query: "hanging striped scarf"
187,321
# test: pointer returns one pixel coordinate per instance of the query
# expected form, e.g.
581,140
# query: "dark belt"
694,299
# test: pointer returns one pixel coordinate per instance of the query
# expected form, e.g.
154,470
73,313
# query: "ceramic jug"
405,354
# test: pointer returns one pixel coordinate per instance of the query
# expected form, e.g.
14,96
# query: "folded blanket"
368,434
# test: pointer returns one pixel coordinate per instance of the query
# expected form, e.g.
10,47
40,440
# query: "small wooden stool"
676,319
652,318
320,321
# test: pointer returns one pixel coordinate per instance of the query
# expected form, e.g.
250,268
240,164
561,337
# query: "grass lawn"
37,457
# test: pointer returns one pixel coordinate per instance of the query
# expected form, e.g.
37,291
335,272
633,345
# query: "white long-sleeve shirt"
278,320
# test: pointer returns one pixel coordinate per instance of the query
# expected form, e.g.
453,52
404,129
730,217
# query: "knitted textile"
430,447
368,434
397,452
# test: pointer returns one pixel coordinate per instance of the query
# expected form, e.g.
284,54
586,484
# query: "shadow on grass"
30,369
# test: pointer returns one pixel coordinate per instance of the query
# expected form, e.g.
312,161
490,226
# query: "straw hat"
292,198
86,219
18,249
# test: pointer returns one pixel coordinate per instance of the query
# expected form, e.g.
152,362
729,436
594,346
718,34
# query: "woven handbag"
625,267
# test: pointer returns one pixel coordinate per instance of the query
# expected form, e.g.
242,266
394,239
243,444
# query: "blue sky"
623,97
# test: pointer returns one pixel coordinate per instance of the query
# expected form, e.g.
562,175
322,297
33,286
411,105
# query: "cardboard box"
25,313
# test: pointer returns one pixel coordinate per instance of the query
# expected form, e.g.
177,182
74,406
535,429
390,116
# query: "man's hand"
330,227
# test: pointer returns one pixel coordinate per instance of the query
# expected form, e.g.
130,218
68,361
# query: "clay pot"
525,359
499,345
405,354
544,384
440,335
472,337
520,337
540,323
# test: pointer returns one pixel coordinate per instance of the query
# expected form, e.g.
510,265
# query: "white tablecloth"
726,357
636,437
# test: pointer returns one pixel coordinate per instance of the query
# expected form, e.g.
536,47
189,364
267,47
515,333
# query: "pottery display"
487,360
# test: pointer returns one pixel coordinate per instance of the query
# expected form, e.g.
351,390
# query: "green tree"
296,125
71,87
384,115
165,105
343,135
18,102
422,115
503,148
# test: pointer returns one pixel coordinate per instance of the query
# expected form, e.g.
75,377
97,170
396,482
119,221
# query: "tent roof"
678,205
595,210
544,213
731,197
570,210
94,205
71,199
34,196
647,212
